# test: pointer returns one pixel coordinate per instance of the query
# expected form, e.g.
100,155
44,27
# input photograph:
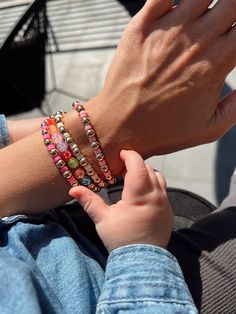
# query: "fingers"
137,181
190,9
93,204
224,118
218,20
224,52
157,178
161,180
154,9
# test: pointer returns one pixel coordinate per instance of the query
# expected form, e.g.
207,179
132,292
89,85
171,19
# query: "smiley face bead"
73,163
79,173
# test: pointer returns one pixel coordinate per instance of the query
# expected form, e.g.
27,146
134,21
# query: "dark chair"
22,62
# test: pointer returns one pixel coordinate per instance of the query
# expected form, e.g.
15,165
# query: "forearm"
19,129
30,181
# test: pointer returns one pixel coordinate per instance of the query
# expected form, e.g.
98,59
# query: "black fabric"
206,253
22,75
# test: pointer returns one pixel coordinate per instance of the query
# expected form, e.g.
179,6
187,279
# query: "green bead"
73,163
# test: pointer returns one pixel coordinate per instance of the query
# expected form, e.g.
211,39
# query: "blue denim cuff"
156,271
4,136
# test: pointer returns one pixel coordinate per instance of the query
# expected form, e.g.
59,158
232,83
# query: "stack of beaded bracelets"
95,145
67,156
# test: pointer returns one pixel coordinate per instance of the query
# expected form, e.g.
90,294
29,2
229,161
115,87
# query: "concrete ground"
204,170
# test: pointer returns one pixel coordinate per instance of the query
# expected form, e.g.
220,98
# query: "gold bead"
44,132
85,120
95,145
60,164
76,151
104,168
53,152
47,142
67,174
90,172
90,133
69,140
83,162
100,157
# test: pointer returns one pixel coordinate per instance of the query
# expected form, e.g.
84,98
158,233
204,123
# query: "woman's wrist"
104,129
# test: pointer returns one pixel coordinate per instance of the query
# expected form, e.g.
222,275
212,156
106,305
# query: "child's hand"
143,215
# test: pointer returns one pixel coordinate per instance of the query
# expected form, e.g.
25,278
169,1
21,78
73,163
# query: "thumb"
225,116
154,9
93,204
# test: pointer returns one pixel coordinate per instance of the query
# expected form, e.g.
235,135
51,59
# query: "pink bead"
88,127
51,146
64,169
44,127
46,136
102,163
97,151
57,158
76,104
71,180
92,139
83,114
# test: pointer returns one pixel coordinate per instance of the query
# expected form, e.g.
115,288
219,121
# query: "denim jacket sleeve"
4,137
144,279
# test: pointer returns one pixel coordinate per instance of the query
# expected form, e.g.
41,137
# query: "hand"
162,89
143,215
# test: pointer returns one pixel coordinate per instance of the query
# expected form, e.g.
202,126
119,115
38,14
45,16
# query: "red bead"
66,155
51,121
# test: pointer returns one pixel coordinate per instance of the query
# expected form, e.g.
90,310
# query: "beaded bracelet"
59,162
67,155
78,155
90,133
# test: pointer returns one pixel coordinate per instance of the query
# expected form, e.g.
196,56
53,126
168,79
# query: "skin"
160,98
143,215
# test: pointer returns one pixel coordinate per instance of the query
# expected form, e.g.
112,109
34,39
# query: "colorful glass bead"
51,121
57,138
73,163
62,146
66,155
85,181
79,173
52,129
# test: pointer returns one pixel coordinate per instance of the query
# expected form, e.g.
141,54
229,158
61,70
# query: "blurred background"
55,51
